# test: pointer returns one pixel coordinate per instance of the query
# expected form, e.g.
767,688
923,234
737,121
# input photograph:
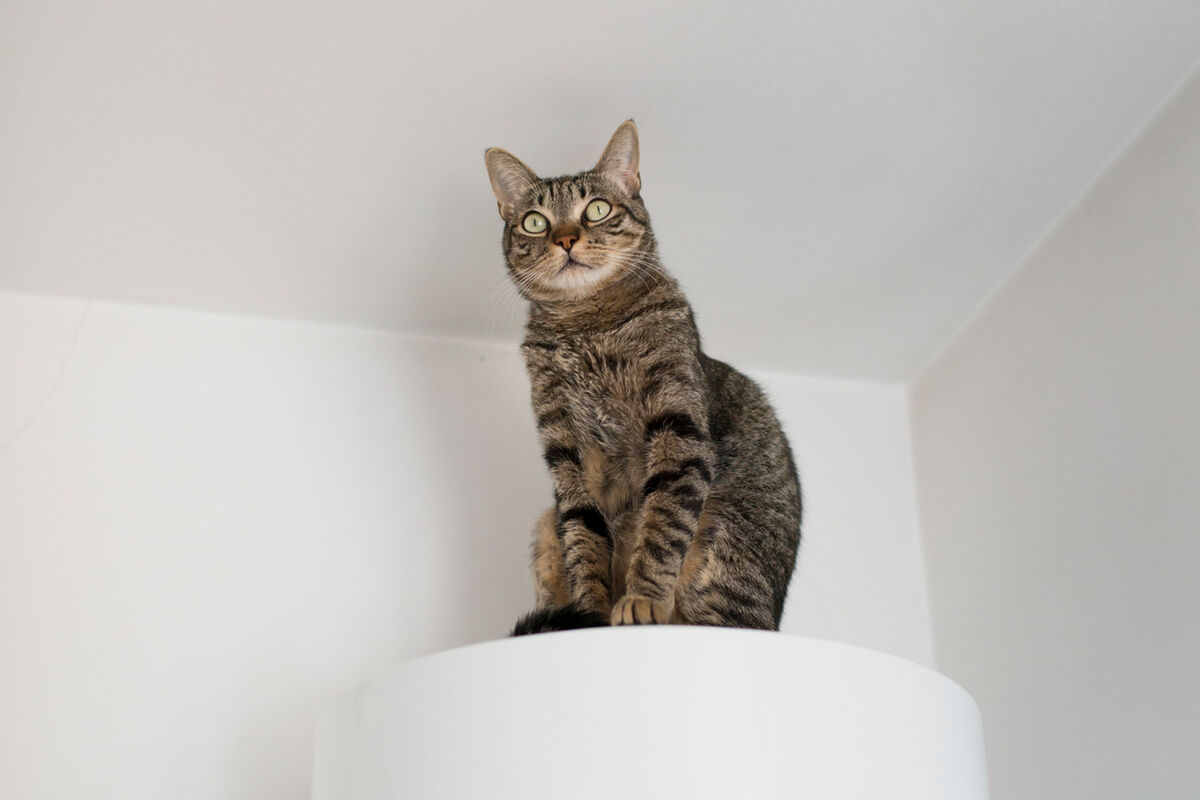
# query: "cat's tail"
558,618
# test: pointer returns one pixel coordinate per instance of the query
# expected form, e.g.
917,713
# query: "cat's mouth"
572,262
574,277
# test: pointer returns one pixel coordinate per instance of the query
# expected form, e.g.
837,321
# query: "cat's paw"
634,610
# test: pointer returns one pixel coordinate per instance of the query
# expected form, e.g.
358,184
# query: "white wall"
211,525
1058,462
860,577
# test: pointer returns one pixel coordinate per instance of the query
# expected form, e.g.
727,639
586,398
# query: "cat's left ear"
511,179
620,160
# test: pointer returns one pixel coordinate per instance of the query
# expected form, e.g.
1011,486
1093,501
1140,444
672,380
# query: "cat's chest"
599,387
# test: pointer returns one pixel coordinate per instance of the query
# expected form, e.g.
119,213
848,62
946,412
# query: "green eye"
597,210
534,223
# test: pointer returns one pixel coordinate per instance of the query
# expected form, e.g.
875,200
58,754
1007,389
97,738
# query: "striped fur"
676,497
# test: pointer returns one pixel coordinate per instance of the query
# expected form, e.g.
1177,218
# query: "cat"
676,496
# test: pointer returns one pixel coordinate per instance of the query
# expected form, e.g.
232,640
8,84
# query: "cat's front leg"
582,532
680,457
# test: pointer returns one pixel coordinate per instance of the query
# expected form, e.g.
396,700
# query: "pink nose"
566,240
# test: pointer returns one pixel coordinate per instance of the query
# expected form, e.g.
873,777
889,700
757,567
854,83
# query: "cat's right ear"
511,179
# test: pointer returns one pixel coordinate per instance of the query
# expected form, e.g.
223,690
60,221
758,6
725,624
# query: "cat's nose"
566,238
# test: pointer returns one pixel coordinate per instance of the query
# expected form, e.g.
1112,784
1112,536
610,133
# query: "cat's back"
752,449
738,407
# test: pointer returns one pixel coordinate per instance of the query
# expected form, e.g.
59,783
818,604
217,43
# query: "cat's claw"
634,610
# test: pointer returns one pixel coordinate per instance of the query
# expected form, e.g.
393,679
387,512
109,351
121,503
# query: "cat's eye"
597,210
535,223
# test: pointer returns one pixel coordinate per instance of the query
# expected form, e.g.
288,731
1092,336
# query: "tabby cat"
676,497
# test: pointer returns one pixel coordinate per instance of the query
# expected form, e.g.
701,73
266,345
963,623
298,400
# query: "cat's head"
568,238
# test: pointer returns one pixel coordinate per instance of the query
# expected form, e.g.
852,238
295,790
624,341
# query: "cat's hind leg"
555,611
549,575
720,583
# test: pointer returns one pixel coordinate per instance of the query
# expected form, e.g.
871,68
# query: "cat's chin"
576,278
571,280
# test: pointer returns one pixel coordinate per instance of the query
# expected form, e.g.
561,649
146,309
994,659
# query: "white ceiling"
837,185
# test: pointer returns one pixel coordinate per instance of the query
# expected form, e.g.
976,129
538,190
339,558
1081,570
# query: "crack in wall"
62,370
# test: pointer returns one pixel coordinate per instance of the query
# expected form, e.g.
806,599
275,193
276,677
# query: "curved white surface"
662,712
